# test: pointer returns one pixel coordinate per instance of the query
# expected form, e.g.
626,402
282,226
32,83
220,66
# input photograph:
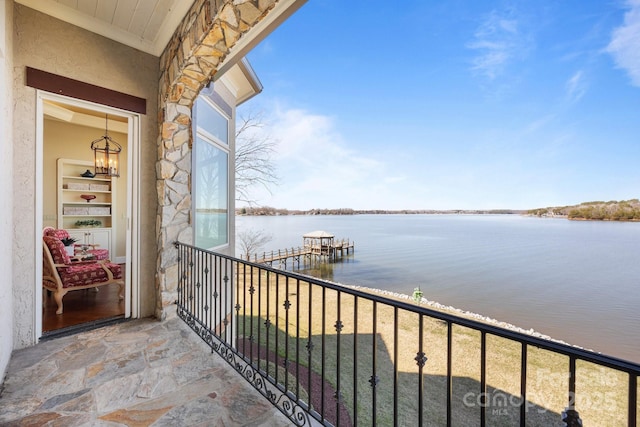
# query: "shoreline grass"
601,396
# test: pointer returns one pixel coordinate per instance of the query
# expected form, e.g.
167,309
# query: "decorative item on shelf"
84,251
99,187
68,245
99,210
78,186
88,197
88,174
86,223
105,153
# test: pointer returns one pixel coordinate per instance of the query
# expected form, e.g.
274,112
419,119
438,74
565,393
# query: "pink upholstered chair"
97,253
60,275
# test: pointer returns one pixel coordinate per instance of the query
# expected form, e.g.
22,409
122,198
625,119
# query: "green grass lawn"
367,348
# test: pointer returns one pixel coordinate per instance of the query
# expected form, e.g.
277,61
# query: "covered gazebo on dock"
319,242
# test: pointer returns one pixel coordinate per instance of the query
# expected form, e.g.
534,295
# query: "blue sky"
457,104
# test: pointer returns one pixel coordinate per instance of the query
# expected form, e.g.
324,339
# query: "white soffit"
146,25
242,81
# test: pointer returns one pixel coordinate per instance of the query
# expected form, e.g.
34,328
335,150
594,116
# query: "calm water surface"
577,281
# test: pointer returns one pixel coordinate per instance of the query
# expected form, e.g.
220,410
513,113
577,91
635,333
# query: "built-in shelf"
73,208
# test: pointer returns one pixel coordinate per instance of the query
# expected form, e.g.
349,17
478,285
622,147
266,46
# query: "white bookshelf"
71,185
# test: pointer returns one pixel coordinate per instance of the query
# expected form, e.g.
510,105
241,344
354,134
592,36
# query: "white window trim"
203,131
223,146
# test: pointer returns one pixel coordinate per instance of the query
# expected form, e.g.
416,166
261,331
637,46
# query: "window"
210,175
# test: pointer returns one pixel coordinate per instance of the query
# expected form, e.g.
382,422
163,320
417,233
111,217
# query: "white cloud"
320,169
317,169
576,87
625,43
539,123
497,42
311,142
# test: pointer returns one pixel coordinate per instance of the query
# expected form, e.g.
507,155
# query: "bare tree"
254,150
251,240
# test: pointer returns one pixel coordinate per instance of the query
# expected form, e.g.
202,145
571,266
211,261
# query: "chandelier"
106,153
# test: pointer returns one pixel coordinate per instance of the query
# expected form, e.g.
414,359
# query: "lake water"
577,281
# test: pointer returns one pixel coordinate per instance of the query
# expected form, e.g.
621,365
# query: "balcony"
134,373
310,353
335,355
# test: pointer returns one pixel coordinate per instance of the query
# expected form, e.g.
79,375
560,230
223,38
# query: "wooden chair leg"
121,293
58,295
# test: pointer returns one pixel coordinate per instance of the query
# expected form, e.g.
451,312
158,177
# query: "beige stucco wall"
71,141
48,44
6,176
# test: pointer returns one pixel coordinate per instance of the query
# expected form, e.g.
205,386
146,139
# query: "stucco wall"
48,44
6,201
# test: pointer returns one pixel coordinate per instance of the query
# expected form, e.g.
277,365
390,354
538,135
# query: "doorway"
66,128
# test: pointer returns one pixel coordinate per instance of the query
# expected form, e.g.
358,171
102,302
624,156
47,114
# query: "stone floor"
138,373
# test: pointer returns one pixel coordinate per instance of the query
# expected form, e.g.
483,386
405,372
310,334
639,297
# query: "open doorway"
94,210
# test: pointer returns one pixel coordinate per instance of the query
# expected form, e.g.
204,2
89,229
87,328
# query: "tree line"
625,210
270,211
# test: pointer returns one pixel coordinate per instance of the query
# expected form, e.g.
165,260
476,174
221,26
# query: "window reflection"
210,175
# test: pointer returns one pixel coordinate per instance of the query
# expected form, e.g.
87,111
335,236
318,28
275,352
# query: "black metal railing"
334,355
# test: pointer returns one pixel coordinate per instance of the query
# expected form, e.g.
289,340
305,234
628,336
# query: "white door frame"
132,272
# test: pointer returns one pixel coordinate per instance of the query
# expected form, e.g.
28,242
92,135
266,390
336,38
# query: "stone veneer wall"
6,176
197,49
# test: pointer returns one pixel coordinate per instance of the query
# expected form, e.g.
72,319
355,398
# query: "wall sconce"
106,154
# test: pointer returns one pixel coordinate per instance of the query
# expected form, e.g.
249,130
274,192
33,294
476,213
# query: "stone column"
200,44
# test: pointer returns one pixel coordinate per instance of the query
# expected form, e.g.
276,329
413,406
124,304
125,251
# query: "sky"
456,104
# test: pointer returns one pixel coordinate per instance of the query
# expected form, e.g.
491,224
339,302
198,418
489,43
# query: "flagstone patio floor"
138,373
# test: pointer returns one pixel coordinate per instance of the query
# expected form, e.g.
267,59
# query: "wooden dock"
320,252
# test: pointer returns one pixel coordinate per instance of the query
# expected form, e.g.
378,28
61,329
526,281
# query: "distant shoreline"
267,211
619,211
328,212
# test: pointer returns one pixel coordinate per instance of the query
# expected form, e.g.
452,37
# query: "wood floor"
80,307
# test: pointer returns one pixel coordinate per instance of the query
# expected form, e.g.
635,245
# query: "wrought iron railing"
334,355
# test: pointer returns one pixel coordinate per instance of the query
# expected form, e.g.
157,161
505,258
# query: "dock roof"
318,235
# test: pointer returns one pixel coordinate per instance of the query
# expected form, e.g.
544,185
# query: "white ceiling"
146,25
81,116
